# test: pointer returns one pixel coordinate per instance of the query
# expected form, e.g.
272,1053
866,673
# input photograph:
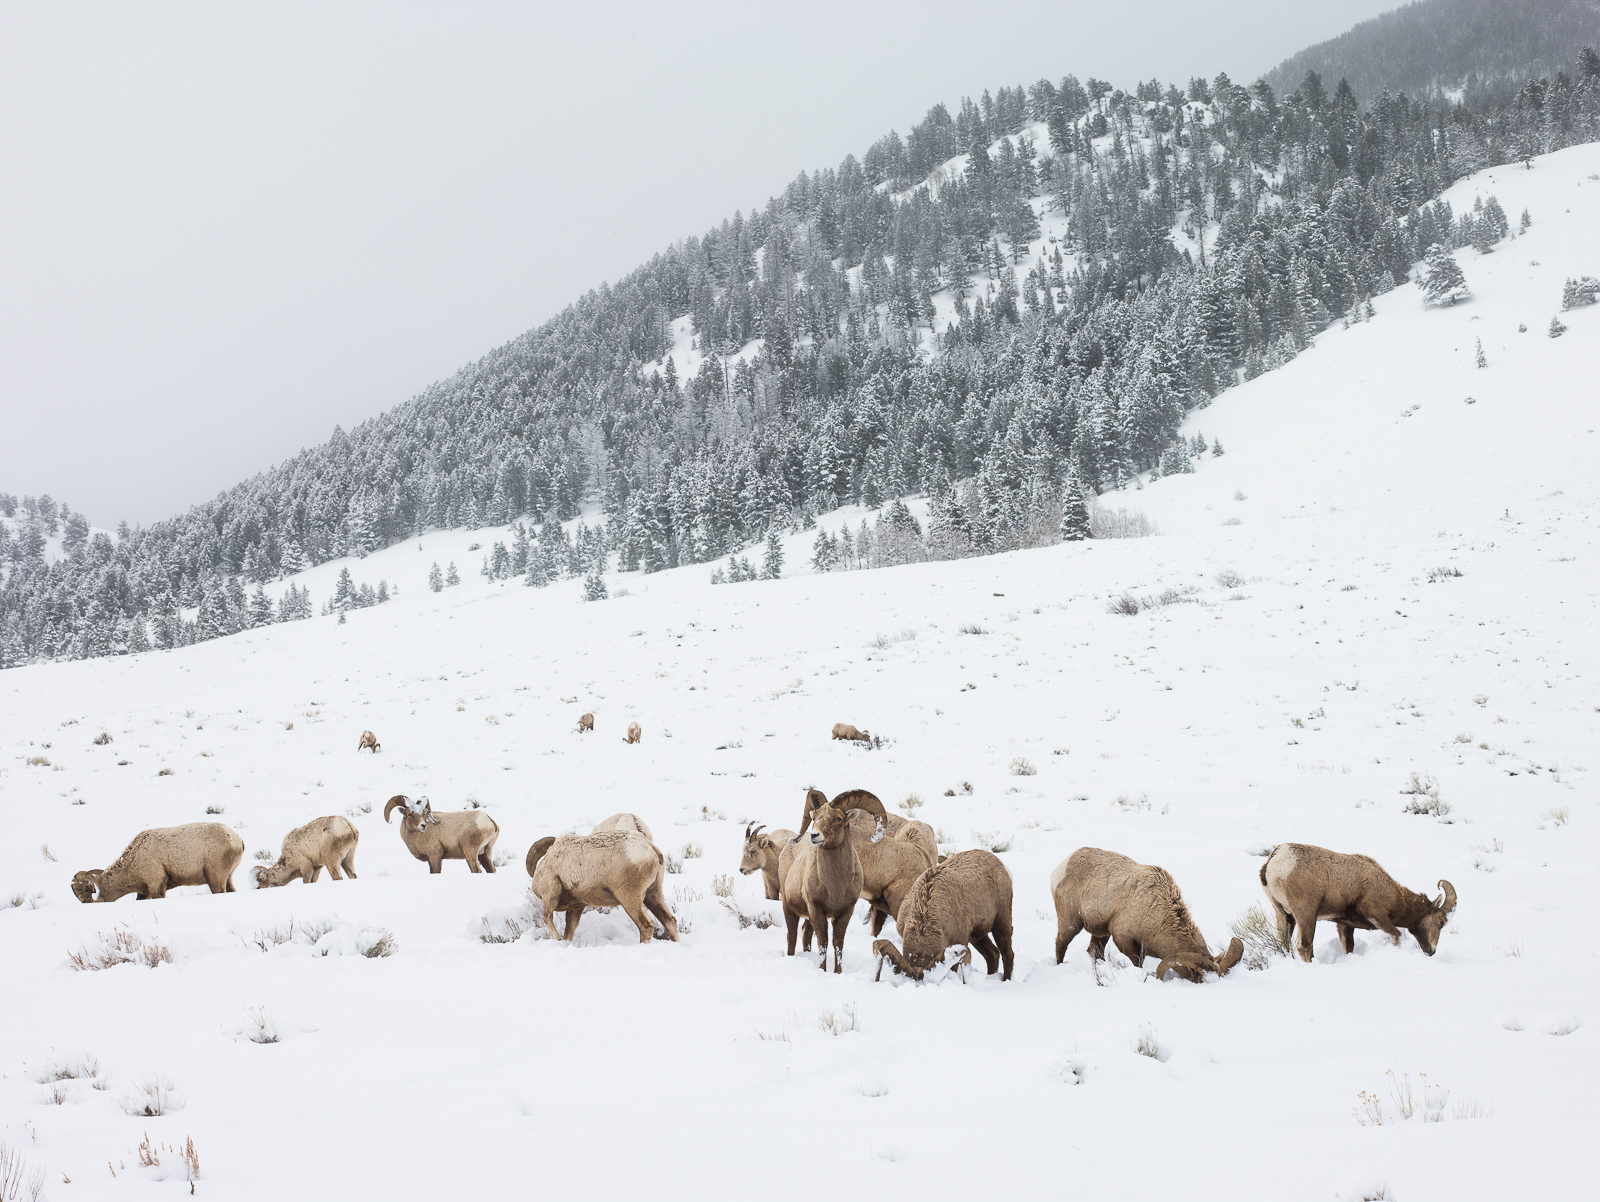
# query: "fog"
226,229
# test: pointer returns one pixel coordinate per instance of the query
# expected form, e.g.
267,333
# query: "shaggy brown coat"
966,900
1308,884
762,849
321,843
463,835
894,853
843,730
612,868
1137,906
820,879
369,741
197,853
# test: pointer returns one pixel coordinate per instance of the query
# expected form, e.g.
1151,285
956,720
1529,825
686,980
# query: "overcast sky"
226,228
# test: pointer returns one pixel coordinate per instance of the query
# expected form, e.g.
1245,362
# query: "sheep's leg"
1307,922
1002,936
641,919
805,936
350,863
435,864
771,882
1285,921
472,861
819,924
880,915
551,902
792,920
1130,948
840,925
486,859
1067,928
1347,937
215,885
316,871
1097,946
986,949
656,902
575,912
333,870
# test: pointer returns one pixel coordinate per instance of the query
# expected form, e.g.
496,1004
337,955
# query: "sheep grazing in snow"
464,835
197,853
634,733
843,730
611,868
622,822
322,843
369,741
586,722
820,879
761,852
1137,906
966,900
1307,884
892,858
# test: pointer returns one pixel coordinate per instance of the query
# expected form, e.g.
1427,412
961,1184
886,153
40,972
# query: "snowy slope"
1194,735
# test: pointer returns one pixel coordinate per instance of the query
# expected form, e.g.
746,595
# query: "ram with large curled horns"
462,835
198,853
1308,884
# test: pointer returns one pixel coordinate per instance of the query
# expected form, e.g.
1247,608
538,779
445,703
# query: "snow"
1196,735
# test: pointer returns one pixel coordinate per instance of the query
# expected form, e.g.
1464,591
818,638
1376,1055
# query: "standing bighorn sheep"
197,853
761,853
613,868
1139,907
821,879
1307,884
965,900
463,835
623,822
322,843
585,722
843,730
369,741
634,733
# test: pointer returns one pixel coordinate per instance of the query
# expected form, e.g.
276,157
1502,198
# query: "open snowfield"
1291,706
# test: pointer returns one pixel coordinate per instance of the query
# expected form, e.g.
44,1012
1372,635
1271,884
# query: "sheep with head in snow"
1308,884
369,741
843,730
609,868
321,843
1138,907
461,835
634,733
964,901
585,723
197,853
762,849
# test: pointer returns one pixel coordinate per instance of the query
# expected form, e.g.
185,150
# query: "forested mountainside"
1438,47
1015,303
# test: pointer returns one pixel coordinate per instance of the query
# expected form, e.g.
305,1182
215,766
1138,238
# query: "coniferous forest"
889,327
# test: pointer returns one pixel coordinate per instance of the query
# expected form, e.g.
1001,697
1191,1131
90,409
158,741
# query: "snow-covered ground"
1290,706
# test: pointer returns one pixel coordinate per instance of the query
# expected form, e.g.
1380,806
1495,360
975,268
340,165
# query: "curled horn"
1231,957
814,798
1181,966
86,884
1447,901
751,830
884,949
536,852
399,799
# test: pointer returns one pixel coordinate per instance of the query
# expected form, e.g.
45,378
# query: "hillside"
1020,301
1449,48
1313,651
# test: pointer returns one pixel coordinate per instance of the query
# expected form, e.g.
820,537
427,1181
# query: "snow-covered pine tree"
344,591
452,577
435,578
1556,328
260,608
772,563
1442,281
1479,358
1074,510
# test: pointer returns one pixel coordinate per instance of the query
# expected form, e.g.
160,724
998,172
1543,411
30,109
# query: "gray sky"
226,228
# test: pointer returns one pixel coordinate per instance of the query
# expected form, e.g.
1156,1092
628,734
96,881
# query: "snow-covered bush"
1423,790
1579,292
1021,766
154,1096
1258,931
121,946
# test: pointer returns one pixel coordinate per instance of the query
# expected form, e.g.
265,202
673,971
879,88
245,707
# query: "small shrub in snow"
1258,931
378,943
258,1025
165,772
1148,1044
722,884
992,842
1132,805
121,946
674,863
1232,522
1556,328
270,937
1125,604
44,851
1423,790
509,925
16,1181
101,739
912,803
838,1020
972,628
1444,573
154,1096
216,809
1480,699
1021,767
692,851
1228,578
761,919
1468,1107
264,854
1557,815
182,1164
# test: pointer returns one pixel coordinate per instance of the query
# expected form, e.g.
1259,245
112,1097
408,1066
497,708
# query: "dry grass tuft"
121,946
1258,931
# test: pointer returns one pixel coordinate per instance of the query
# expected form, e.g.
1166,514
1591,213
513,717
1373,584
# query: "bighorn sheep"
820,878
1307,884
623,822
634,733
850,799
843,730
965,900
369,741
197,853
1139,907
891,860
613,868
322,843
761,852
586,722
464,835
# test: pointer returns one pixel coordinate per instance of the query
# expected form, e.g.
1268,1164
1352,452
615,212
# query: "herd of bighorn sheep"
847,850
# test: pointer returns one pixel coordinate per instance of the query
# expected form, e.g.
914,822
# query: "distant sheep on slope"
1308,884
965,900
611,868
634,733
197,853
1139,907
321,843
843,730
585,723
463,835
369,741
